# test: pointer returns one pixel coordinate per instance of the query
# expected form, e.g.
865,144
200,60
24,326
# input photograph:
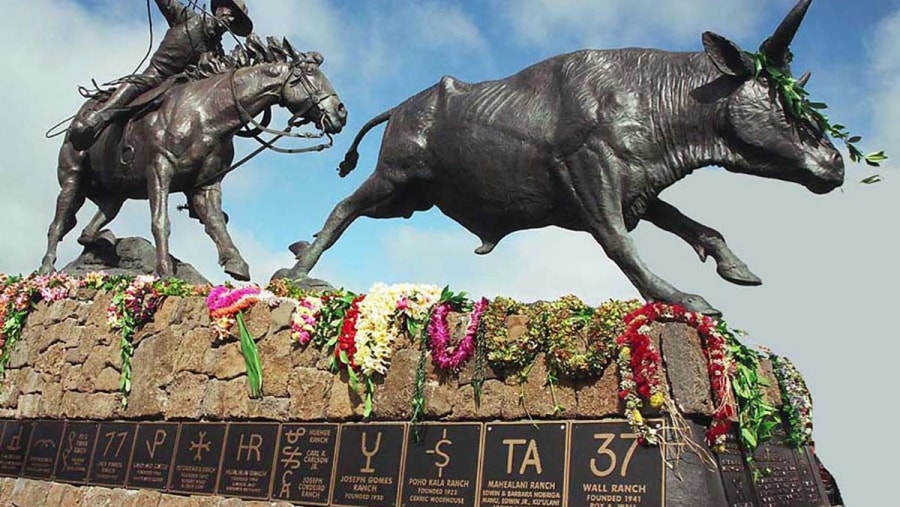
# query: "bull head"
764,136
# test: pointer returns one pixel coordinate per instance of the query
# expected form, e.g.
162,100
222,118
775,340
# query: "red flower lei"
347,340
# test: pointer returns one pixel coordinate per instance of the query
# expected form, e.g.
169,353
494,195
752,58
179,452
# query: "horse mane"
254,52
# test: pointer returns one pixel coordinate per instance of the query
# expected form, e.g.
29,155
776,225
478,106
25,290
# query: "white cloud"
885,104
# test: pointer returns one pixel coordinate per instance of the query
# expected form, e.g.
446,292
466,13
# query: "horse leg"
206,202
70,200
159,177
597,198
373,198
109,207
705,240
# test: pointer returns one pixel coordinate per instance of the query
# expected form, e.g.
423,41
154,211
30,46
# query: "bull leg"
159,176
704,240
372,198
206,202
109,207
598,201
70,200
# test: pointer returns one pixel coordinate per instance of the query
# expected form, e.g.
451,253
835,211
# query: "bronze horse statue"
185,143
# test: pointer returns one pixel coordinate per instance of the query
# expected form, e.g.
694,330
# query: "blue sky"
829,263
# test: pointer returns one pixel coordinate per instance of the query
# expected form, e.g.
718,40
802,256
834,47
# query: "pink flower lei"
452,358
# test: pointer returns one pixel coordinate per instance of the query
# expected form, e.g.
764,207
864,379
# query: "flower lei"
797,401
132,305
226,306
501,351
305,318
345,351
446,357
639,365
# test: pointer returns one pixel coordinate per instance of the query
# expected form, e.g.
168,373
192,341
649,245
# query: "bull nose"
342,113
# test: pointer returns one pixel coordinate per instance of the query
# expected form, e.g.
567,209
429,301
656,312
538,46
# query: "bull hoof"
105,234
238,269
738,274
695,303
46,267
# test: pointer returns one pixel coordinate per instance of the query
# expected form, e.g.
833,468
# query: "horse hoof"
738,274
238,269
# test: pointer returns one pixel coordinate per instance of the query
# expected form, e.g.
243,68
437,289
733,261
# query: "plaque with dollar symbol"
442,465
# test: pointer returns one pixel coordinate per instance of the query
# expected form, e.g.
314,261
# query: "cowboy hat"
242,24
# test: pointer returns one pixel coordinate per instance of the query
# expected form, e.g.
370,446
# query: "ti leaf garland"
797,103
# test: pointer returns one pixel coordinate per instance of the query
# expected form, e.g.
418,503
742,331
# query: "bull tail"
352,156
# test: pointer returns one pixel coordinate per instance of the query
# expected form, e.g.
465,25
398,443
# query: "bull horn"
776,46
804,79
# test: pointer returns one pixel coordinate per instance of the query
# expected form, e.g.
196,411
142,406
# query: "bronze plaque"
75,452
736,476
110,463
369,465
809,478
304,463
442,469
782,487
607,466
13,443
154,445
43,449
247,464
197,458
523,464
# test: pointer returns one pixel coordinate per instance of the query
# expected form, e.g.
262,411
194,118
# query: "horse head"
308,95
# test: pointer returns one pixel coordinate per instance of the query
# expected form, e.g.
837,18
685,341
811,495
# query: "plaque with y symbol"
247,464
442,465
369,465
198,456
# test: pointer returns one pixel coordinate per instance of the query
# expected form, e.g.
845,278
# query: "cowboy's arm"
174,11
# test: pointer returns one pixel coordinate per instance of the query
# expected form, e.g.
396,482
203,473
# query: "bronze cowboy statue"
189,36
172,129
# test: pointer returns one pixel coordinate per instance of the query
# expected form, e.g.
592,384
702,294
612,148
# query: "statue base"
126,256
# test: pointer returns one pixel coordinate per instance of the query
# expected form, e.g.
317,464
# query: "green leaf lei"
797,103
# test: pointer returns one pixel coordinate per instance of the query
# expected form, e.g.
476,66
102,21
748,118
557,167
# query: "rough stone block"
186,394
309,393
686,367
599,398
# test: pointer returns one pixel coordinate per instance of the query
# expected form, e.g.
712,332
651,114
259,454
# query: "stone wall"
67,366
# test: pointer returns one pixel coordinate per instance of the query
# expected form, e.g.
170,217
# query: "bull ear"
726,56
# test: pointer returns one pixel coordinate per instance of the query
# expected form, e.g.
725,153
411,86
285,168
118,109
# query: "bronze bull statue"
587,141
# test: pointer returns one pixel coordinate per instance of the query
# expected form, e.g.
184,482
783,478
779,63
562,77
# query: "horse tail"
352,156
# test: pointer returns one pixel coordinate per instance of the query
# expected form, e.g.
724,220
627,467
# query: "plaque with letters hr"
246,469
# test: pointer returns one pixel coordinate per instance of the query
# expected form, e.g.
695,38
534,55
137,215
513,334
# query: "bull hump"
452,85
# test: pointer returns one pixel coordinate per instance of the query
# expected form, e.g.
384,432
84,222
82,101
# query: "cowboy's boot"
85,130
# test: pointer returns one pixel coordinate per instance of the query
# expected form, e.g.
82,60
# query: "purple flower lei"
439,337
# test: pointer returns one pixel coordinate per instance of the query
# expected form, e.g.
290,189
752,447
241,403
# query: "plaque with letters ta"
607,466
75,452
442,468
523,464
152,456
369,465
43,449
198,456
304,463
247,464
109,465
13,443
